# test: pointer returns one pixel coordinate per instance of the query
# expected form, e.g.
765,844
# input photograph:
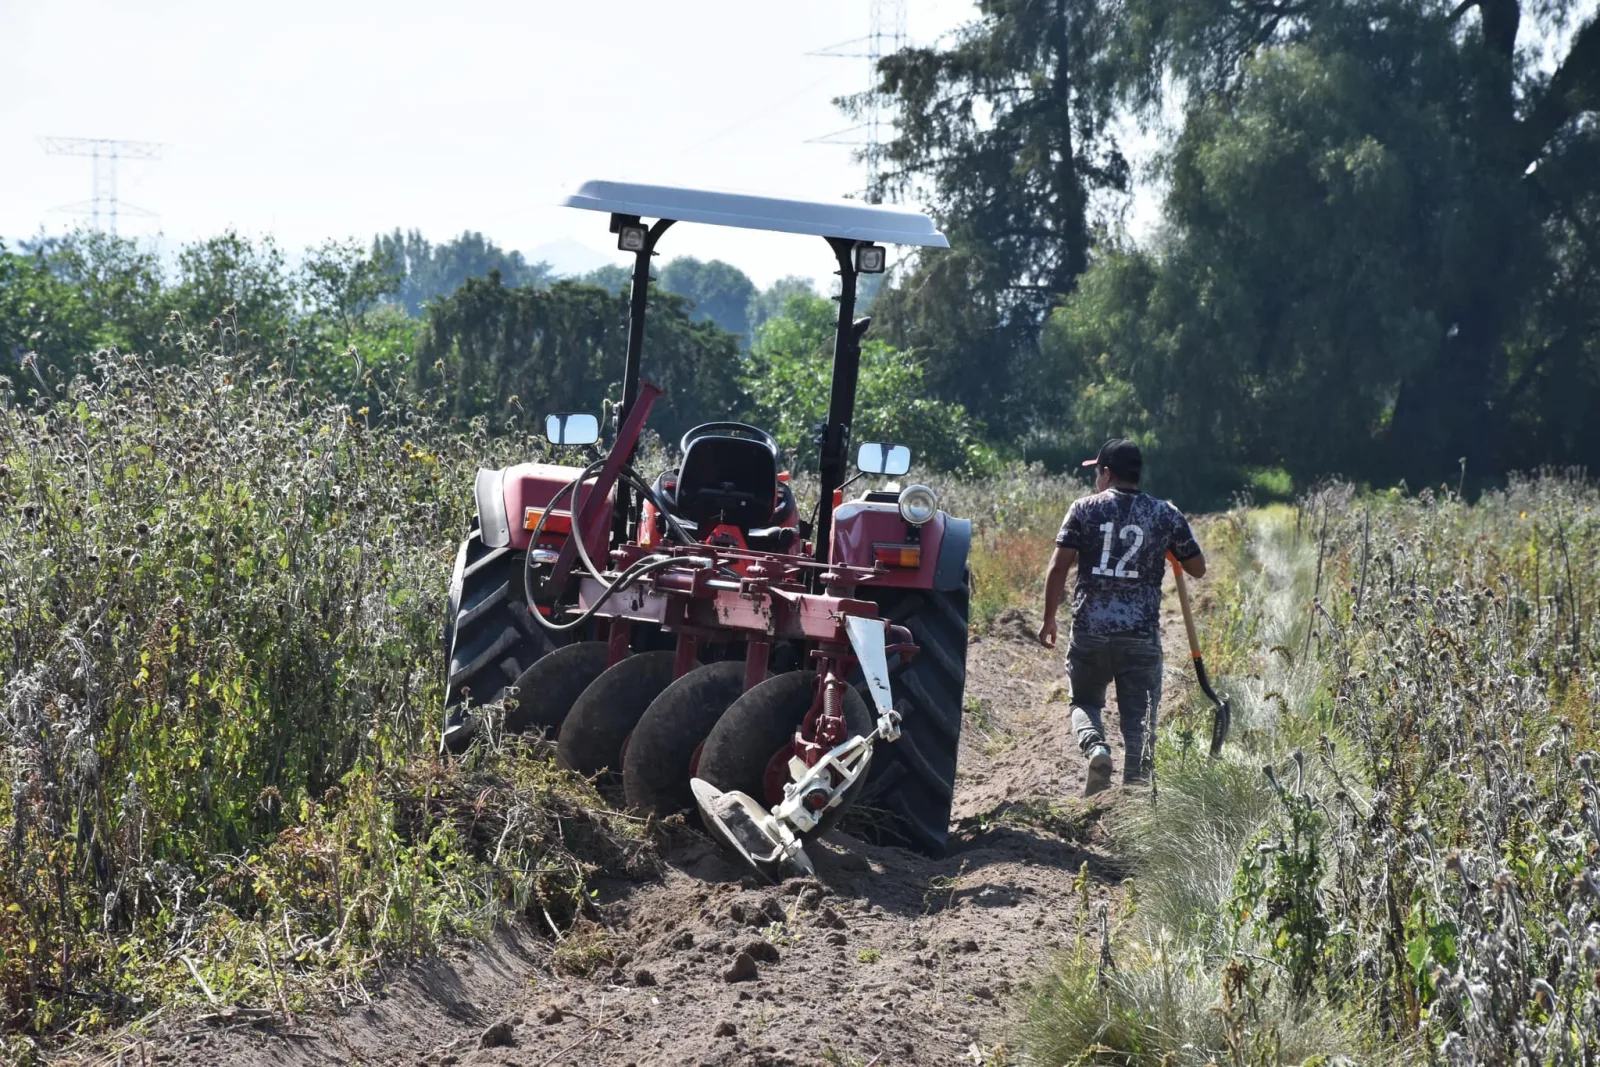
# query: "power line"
104,152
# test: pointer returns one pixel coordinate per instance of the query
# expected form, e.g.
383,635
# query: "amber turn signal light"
893,555
559,522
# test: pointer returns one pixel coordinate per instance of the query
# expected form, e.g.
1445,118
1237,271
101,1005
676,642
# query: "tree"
119,284
716,290
772,300
341,282
238,281
425,270
510,353
612,277
43,322
787,377
1006,134
1378,226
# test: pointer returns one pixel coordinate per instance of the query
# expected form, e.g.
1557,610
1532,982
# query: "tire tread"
489,637
913,779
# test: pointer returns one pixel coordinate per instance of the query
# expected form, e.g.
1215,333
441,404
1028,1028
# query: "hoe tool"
1222,716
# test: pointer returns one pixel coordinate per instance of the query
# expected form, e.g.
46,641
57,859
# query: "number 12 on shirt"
1133,533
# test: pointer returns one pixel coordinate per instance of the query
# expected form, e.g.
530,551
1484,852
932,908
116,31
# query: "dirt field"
886,957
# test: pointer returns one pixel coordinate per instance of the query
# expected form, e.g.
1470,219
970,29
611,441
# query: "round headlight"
917,504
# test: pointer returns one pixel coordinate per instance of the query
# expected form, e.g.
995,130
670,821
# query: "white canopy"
845,219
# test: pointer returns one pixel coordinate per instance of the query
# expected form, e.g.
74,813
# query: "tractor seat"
727,480
781,536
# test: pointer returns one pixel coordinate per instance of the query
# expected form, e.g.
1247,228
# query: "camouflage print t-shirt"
1122,537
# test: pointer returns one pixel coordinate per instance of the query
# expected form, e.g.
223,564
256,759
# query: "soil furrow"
886,956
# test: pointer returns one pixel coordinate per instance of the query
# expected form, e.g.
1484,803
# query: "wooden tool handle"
1222,718
1183,599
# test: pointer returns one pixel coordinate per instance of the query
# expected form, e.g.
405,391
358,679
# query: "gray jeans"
1133,662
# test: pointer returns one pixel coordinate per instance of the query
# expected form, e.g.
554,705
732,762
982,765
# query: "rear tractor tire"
760,725
602,718
661,753
913,779
490,637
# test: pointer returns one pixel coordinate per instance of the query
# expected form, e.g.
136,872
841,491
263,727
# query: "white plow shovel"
770,840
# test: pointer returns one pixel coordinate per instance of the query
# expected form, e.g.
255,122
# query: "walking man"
1119,538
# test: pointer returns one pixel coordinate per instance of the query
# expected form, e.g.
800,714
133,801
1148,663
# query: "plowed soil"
886,957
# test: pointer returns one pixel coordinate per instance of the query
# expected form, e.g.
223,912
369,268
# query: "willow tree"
1381,243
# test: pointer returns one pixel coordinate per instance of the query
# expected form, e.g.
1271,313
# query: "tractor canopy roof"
846,219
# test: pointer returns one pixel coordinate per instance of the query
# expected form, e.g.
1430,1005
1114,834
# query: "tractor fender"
489,491
504,497
950,573
945,541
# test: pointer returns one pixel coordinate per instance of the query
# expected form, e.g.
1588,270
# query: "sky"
311,120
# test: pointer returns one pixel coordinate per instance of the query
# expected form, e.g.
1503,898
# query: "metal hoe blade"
1221,720
750,830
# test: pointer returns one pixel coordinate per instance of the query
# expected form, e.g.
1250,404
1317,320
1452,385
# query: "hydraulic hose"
649,491
577,532
629,576
625,579
632,477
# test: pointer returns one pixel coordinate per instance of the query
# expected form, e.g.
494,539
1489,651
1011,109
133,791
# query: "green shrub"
1414,875
220,604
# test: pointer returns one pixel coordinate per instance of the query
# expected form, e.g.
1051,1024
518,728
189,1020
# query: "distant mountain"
569,258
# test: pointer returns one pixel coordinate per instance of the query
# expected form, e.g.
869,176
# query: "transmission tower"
885,36
888,28
104,153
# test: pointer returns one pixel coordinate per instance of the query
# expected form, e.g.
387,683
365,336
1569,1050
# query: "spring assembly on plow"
770,841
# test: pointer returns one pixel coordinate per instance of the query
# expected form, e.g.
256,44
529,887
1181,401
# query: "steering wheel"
741,430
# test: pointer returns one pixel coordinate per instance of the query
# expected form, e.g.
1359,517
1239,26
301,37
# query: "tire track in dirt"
886,957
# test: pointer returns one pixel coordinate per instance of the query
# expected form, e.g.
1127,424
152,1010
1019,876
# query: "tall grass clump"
220,609
1401,857
1173,982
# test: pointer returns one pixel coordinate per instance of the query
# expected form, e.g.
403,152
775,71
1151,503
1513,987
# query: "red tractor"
695,638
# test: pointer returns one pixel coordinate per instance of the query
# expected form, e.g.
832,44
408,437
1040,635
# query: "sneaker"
1099,770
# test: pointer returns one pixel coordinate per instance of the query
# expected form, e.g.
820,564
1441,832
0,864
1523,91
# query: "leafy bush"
220,600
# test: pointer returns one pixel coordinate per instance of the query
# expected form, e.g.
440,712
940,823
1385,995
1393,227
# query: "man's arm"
1185,549
1055,585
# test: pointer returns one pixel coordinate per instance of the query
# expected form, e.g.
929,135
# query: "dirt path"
886,957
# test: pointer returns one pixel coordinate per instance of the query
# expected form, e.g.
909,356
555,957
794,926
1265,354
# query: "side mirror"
572,428
893,460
